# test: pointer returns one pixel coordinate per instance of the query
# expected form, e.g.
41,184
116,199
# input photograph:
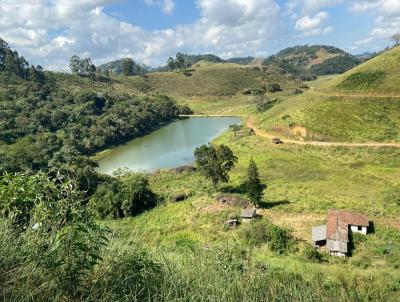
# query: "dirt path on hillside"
262,133
363,96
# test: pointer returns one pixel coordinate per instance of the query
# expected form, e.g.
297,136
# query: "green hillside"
312,60
362,105
378,76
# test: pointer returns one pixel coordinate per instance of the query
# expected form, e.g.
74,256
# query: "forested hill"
115,66
313,60
42,116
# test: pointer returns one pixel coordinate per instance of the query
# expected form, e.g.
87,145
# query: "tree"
127,195
396,38
253,185
74,64
92,71
171,64
127,67
215,162
180,61
235,128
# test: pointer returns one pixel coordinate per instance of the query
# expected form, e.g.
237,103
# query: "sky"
49,32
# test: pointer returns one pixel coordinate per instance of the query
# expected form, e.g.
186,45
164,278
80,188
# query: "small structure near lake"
336,233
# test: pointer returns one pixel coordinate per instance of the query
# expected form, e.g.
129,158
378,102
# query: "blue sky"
49,32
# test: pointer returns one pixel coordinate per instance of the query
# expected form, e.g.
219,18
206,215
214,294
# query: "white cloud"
167,6
386,15
305,7
387,7
313,25
50,32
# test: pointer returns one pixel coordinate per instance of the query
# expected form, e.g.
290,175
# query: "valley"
72,230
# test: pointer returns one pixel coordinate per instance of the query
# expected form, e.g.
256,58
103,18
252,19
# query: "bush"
273,88
264,105
253,91
311,254
297,91
127,195
183,109
60,239
259,232
364,80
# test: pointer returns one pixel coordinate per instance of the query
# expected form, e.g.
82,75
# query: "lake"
168,147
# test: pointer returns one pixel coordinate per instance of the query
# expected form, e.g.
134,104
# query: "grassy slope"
331,112
303,182
209,88
387,62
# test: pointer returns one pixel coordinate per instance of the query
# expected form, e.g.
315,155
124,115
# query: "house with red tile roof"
335,234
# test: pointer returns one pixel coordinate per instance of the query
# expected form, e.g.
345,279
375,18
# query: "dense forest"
39,118
313,60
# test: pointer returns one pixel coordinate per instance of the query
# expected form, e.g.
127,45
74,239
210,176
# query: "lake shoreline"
168,147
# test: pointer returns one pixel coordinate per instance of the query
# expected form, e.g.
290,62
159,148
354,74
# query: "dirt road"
268,135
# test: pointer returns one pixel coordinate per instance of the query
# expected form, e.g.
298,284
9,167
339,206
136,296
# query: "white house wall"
354,229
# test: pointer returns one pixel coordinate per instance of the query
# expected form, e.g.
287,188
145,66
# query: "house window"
359,228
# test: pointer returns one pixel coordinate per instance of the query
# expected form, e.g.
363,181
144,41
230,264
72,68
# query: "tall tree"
180,61
215,162
127,67
253,185
396,38
171,64
74,64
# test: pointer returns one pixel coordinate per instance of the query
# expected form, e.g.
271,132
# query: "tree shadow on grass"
272,204
240,189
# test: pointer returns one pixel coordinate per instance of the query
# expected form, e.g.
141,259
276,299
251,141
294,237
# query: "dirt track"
362,96
268,135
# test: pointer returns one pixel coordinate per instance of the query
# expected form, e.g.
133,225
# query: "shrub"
368,79
311,254
297,91
273,87
127,195
264,105
258,232
60,238
253,91
183,109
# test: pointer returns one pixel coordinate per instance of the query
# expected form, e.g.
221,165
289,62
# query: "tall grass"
224,273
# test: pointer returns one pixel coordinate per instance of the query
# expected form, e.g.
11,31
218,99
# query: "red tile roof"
337,227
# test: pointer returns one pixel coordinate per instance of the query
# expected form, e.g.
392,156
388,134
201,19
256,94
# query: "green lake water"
168,147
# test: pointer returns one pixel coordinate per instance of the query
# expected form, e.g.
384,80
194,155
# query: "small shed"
337,248
248,214
319,235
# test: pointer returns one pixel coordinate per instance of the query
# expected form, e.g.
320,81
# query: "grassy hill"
361,105
378,76
313,60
